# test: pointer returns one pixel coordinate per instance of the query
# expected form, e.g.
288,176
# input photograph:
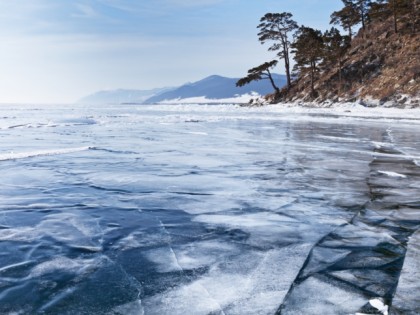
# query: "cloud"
193,3
130,5
85,11
157,7
20,15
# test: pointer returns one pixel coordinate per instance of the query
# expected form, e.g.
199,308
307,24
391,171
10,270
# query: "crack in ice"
183,271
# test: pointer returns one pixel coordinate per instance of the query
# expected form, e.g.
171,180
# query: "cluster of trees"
311,48
355,12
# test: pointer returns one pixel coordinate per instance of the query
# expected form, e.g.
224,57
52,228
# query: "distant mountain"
121,96
213,89
216,88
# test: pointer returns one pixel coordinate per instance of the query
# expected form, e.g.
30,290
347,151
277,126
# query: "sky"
57,51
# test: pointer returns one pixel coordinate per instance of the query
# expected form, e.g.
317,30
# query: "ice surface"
320,296
242,283
132,308
407,299
186,209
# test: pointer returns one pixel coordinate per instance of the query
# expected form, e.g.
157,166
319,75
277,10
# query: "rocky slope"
382,68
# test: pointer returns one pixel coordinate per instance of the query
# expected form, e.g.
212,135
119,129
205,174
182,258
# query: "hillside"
216,88
381,68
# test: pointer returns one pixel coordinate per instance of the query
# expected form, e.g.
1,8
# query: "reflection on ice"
207,210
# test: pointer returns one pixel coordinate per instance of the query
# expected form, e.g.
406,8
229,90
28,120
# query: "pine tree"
353,13
277,28
362,9
414,15
402,7
309,50
379,10
335,47
394,8
261,72
347,17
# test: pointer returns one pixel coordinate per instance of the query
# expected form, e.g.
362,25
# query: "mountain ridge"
216,87
212,89
119,96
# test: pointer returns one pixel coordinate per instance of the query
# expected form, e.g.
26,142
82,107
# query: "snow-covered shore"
337,109
351,109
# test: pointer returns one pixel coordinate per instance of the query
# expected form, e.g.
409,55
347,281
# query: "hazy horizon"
56,52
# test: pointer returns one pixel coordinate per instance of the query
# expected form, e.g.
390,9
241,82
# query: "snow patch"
24,155
379,305
392,174
239,99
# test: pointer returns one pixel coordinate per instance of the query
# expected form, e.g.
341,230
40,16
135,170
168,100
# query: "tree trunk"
394,13
289,80
363,21
272,82
339,77
286,61
287,66
312,78
362,15
413,15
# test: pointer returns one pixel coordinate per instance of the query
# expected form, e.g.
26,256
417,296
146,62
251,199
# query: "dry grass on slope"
381,67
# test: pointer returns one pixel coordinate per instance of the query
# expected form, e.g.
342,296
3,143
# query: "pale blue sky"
60,50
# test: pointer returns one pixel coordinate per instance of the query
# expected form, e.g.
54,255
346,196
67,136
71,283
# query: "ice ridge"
24,155
363,259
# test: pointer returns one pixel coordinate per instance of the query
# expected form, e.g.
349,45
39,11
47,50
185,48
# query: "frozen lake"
207,210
